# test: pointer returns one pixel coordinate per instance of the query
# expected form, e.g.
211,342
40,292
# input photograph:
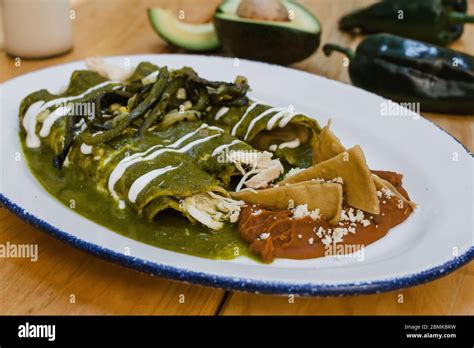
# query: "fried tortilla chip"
359,187
327,197
382,183
327,145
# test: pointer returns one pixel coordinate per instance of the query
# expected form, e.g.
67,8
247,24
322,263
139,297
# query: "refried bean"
277,234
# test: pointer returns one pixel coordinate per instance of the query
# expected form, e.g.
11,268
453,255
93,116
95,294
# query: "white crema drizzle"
154,152
31,114
282,116
144,180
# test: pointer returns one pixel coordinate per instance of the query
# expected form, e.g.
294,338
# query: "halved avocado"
281,42
193,37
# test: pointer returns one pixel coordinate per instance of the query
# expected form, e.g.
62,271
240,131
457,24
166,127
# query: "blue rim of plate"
241,284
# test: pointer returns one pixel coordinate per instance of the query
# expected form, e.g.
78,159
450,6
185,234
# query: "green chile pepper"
435,21
404,70
154,115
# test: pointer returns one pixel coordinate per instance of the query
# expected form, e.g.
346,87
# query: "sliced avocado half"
281,42
193,37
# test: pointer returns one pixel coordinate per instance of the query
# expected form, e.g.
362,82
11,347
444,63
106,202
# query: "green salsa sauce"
168,231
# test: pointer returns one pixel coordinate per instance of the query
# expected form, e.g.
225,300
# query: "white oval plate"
438,174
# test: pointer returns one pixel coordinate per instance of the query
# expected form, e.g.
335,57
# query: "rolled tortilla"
289,135
359,187
327,197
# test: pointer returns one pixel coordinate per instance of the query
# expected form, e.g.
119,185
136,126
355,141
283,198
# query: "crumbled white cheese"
352,217
339,232
336,180
327,240
318,180
387,193
365,222
344,216
302,211
319,232
264,235
311,241
359,215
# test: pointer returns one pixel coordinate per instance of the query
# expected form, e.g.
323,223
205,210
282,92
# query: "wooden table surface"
69,281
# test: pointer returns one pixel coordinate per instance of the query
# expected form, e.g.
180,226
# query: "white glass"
37,28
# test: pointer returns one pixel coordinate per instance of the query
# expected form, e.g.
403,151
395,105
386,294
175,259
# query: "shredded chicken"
260,169
108,70
212,209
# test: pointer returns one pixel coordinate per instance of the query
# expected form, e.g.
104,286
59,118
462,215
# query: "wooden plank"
469,269
65,280
464,303
436,297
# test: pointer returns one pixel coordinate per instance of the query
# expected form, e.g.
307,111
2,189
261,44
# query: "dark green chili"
141,95
178,82
203,100
198,94
224,90
153,96
185,71
241,101
435,21
101,137
158,112
59,159
154,115
438,79
135,86
104,99
136,113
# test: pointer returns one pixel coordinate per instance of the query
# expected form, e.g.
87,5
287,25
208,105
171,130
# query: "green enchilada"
171,148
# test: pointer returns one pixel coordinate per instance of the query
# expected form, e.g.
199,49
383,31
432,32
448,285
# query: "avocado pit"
266,10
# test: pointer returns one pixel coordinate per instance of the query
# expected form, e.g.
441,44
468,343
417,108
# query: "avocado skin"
265,42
